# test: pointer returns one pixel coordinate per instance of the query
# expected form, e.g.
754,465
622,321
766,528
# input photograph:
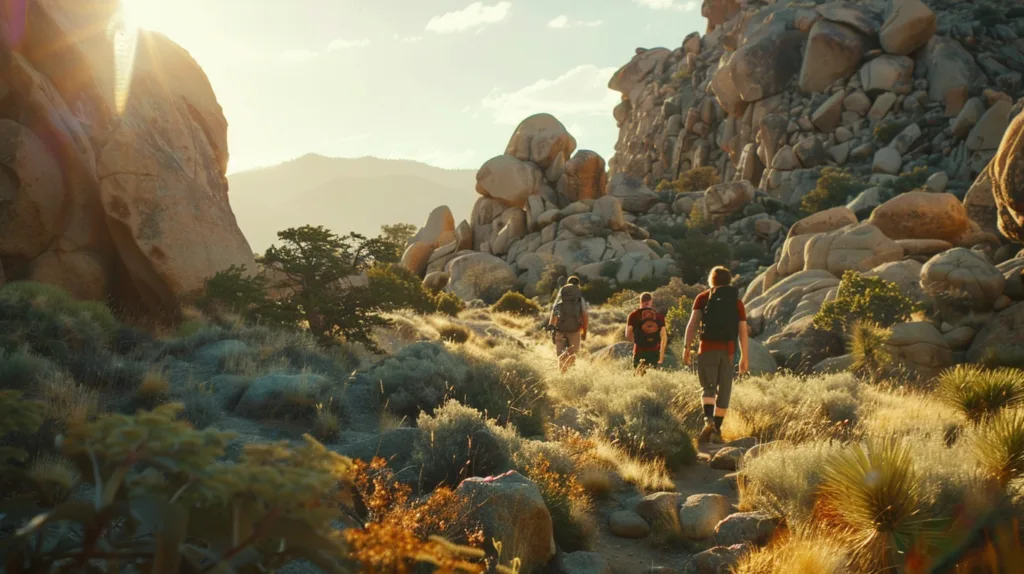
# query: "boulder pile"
112,168
543,202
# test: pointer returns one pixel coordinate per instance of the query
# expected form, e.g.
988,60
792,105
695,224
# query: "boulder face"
833,52
127,199
1007,177
922,215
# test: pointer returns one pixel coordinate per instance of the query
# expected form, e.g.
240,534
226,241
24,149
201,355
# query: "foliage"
797,553
678,316
834,188
418,378
16,416
597,291
59,302
749,250
887,131
999,446
647,427
23,369
235,290
869,347
489,283
863,298
187,507
397,525
505,388
394,287
454,333
516,303
393,240
697,255
610,268
876,498
551,279
568,503
979,392
46,321
448,304
696,179
906,182
457,442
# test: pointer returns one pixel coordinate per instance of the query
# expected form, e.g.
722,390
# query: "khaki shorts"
715,371
567,343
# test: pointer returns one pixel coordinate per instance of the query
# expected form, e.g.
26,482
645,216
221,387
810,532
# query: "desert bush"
796,409
574,526
490,284
56,301
835,187
998,446
868,344
326,426
696,179
597,291
284,500
458,442
645,426
886,131
610,269
863,298
23,370
395,287
798,553
678,316
448,304
46,321
551,280
979,392
200,406
784,479
454,333
516,304
698,255
17,416
749,250
153,389
505,387
418,378
873,496
68,402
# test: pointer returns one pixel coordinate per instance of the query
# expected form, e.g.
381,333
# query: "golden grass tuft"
67,402
798,553
326,426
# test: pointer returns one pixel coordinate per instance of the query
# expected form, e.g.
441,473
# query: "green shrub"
834,188
999,446
516,303
863,298
610,268
454,333
418,378
457,442
749,250
870,350
906,182
551,280
597,291
696,179
697,256
678,317
507,389
648,428
979,392
448,304
567,501
395,287
876,499
887,131
20,417
59,302
23,370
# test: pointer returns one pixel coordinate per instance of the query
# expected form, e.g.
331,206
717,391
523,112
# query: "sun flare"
143,14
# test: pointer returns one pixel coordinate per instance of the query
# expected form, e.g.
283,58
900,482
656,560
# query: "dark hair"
574,280
646,297
720,277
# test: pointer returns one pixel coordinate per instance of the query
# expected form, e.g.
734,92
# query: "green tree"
861,298
399,233
389,246
314,266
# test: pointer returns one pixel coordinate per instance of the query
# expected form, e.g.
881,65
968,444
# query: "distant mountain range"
344,194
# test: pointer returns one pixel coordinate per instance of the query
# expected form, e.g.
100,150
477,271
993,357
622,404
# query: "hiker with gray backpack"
568,322
720,316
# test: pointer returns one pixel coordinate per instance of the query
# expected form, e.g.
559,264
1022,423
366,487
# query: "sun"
142,14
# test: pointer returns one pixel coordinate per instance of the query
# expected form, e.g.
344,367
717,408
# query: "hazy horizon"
442,82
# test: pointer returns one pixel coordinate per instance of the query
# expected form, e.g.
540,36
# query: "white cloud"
408,39
475,15
343,44
563,21
681,5
298,56
582,91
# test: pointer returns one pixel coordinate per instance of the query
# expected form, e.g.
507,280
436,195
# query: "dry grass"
153,390
647,475
798,409
326,426
798,553
68,402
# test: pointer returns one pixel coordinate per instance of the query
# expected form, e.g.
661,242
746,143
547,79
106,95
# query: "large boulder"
963,275
949,68
922,215
584,178
833,51
634,196
1003,336
906,274
765,64
1013,272
163,185
32,193
541,139
909,24
508,180
756,528
987,134
1007,174
416,257
629,80
719,12
510,508
980,203
439,228
823,221
888,73
473,273
792,299
921,349
728,198
761,360
859,247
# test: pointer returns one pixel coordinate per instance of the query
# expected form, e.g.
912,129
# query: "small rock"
746,527
727,458
699,515
887,161
628,524
937,182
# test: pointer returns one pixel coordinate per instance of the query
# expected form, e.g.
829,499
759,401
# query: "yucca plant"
998,445
873,497
869,345
979,392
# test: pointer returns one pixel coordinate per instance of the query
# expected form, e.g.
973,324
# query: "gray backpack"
570,309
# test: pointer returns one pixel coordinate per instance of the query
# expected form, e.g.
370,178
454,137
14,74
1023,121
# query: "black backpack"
647,333
570,309
721,315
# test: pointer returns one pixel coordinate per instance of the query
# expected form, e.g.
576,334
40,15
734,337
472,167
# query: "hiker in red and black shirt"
645,327
722,319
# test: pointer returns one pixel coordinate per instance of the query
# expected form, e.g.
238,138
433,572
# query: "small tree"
392,241
861,298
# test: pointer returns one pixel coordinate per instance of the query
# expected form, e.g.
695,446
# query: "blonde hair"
720,277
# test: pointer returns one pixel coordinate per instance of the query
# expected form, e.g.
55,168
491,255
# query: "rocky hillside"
109,201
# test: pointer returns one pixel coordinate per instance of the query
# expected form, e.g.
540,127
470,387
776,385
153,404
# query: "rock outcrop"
113,182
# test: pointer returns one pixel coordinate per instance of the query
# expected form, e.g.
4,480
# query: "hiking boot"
705,435
715,437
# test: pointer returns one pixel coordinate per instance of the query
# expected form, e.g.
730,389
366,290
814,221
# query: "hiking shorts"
567,343
715,370
650,358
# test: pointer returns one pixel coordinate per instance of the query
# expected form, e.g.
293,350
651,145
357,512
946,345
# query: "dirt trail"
639,556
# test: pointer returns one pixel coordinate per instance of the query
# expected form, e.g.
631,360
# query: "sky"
444,82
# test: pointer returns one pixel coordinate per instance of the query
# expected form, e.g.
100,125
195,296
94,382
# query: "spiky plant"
874,498
979,392
869,346
998,445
